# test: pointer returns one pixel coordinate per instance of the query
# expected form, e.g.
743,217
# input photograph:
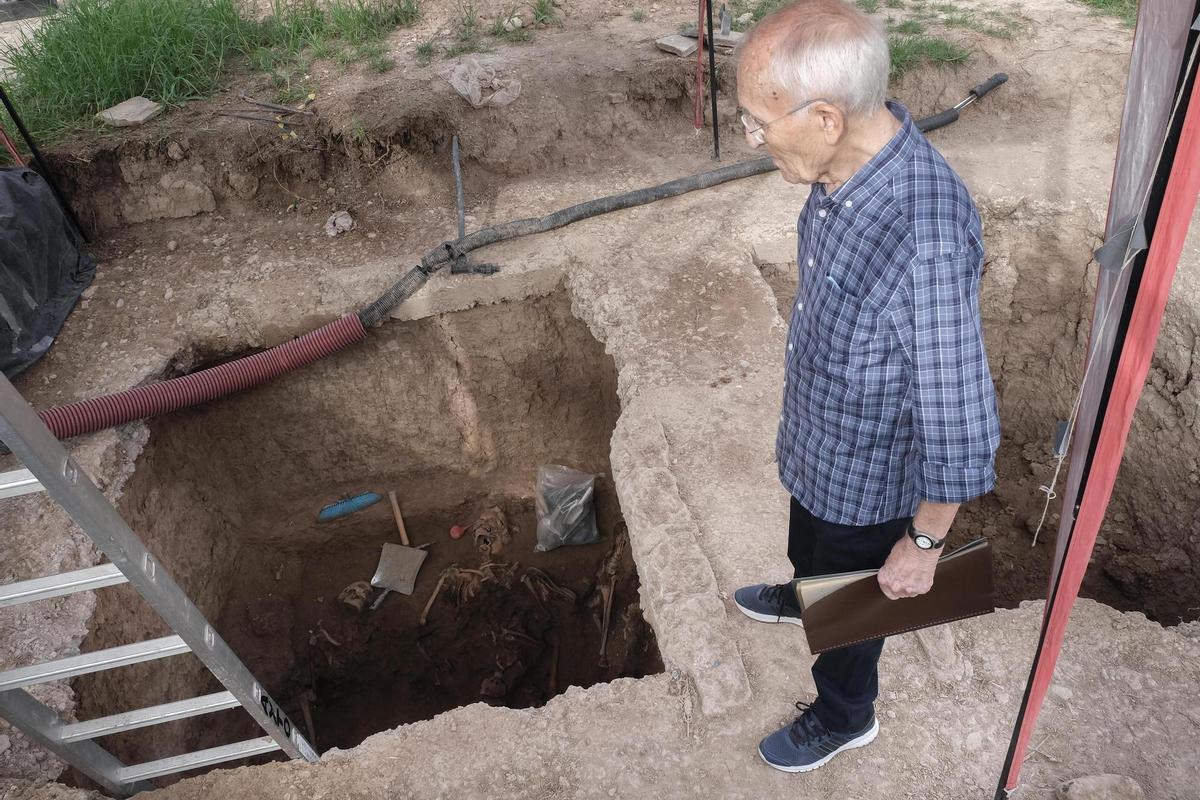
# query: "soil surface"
490,640
209,234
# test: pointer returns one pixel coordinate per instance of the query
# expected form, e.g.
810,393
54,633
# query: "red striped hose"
99,413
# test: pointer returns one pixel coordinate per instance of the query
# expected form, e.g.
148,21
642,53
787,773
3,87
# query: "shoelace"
806,729
775,595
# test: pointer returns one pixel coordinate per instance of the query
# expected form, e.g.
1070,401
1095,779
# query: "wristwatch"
923,540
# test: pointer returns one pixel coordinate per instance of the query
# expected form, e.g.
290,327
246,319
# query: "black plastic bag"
566,511
43,269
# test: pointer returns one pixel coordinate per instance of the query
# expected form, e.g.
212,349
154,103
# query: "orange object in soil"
457,531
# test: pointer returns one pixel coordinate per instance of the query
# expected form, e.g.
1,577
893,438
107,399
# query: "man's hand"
908,571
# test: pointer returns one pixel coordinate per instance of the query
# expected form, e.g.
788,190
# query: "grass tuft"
544,12
910,51
638,15
1124,10
909,27
426,51
869,6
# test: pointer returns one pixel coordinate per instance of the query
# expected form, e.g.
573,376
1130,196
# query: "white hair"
827,49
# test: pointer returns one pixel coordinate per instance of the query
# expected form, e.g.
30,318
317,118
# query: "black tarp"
44,268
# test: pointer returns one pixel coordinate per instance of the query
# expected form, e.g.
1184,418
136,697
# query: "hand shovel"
398,563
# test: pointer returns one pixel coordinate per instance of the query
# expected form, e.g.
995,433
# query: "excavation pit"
455,413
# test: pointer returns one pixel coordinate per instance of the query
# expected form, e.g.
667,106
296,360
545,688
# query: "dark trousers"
847,679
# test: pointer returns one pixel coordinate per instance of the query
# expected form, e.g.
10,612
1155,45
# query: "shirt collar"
872,176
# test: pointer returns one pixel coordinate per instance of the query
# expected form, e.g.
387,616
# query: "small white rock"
120,302
175,151
88,293
513,24
168,294
172,246
339,223
745,19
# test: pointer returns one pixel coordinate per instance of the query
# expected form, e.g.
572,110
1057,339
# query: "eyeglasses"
754,129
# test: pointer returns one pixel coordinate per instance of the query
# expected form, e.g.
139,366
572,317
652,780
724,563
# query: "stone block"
133,111
676,44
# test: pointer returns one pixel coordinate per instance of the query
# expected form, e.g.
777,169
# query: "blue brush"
348,506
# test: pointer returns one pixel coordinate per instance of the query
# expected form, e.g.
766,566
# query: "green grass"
910,51
1125,10
426,51
909,27
544,12
638,15
869,6
96,53
93,54
894,3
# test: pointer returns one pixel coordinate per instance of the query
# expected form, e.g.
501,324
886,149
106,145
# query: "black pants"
847,679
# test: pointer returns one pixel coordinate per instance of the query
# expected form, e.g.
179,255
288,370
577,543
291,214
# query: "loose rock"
1101,787
339,223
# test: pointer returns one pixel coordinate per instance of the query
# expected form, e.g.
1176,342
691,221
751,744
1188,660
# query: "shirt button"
849,204
811,262
822,213
789,345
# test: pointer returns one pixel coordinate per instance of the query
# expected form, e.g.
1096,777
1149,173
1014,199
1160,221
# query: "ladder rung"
81,580
92,662
200,758
143,717
17,483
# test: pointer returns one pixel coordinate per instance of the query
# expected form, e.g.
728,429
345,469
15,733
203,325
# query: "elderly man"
889,414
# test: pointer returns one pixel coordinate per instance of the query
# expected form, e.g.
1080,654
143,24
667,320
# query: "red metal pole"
698,105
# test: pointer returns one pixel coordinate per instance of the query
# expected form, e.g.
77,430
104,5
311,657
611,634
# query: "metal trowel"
398,563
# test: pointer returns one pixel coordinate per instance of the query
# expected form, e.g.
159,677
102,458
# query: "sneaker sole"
862,741
768,618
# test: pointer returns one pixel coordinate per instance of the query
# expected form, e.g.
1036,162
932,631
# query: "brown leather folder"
848,608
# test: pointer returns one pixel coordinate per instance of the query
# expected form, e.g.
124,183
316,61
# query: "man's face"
800,143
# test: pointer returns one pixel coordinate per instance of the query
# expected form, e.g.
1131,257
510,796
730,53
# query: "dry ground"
211,243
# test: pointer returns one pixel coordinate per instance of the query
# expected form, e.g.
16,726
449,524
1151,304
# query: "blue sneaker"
806,744
767,603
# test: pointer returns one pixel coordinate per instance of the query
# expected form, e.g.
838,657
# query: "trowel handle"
399,519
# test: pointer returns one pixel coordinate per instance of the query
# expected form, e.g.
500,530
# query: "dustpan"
398,568
398,563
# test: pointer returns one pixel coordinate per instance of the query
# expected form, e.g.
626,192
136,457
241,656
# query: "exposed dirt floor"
644,347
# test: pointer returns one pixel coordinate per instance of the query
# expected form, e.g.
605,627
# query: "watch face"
923,541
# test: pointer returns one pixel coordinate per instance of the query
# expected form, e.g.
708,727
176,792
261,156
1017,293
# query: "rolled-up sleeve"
956,428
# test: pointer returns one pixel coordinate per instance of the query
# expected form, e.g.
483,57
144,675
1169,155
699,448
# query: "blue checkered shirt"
888,399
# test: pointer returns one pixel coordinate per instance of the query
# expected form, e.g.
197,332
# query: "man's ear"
831,121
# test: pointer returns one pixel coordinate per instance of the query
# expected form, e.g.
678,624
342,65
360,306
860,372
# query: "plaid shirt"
888,399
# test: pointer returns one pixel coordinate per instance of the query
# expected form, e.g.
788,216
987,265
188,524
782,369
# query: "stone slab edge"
460,292
679,593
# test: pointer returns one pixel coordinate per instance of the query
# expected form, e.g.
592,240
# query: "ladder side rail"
44,726
31,441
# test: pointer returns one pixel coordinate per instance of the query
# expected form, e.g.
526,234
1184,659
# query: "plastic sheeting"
44,268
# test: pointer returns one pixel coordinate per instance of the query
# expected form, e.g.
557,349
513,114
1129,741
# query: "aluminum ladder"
50,468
